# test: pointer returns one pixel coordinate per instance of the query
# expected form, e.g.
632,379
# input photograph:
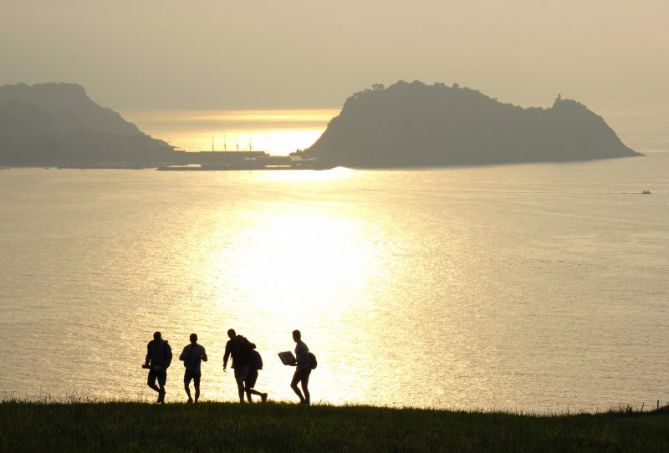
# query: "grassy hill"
283,427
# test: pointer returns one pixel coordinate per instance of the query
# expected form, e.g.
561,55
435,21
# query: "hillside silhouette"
57,124
417,125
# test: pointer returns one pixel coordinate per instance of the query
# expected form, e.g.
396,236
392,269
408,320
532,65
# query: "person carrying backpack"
255,364
304,363
157,361
239,348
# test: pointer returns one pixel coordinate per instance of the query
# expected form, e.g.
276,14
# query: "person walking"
303,369
192,356
255,364
157,361
239,348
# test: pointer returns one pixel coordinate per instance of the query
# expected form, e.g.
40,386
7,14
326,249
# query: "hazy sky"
155,54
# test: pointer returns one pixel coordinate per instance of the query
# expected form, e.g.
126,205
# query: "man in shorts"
239,348
158,359
303,369
192,356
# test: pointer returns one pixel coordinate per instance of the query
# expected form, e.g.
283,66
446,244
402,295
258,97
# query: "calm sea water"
526,287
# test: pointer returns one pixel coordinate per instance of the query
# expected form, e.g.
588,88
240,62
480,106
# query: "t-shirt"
192,357
302,355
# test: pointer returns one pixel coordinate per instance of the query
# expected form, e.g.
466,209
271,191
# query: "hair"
156,335
193,337
297,333
231,332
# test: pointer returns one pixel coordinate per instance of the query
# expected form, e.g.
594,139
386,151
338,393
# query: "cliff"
416,125
58,124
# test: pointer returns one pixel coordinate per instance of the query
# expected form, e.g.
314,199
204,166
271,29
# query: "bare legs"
196,384
187,389
195,376
240,390
302,376
249,392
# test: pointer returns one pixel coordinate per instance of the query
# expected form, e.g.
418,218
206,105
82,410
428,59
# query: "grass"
82,426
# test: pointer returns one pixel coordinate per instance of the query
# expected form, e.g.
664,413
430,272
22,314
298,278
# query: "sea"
538,288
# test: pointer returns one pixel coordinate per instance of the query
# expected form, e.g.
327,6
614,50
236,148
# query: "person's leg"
250,382
305,388
151,381
240,375
187,378
162,379
263,396
240,390
293,385
196,384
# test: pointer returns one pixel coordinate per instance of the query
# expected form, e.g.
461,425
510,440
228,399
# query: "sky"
253,54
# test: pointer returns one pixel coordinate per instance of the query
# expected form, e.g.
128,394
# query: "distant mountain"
58,124
416,125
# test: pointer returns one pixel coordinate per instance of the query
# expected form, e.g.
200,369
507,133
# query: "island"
57,124
419,125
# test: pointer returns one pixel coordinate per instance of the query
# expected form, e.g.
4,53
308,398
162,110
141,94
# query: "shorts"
301,375
241,372
192,375
251,379
159,375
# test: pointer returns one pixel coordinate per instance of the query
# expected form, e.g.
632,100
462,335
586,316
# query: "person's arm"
182,356
204,355
226,355
148,354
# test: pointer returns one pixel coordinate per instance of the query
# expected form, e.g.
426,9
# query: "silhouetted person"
255,364
303,369
192,356
240,349
158,359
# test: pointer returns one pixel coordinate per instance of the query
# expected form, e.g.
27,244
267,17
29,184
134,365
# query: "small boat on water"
646,192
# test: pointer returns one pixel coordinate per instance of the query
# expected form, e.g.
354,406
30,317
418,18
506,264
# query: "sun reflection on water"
300,261
291,263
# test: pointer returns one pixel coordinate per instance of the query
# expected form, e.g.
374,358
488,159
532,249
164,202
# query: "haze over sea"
526,287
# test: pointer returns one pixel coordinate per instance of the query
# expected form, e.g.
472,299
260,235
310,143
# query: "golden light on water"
275,131
283,259
295,262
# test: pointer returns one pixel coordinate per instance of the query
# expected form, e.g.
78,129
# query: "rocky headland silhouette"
404,125
419,125
57,124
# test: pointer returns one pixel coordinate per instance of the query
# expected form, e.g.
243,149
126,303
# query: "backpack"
168,354
256,360
243,346
313,363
